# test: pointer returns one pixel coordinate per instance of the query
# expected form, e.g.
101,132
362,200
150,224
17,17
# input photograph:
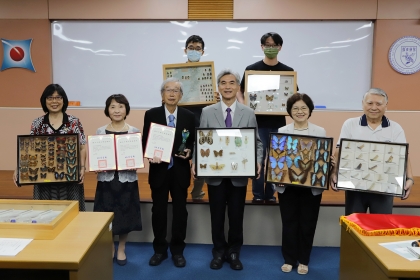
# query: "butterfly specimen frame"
48,158
299,160
266,92
198,81
225,152
115,152
367,166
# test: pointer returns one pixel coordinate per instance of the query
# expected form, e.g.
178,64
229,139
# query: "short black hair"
194,39
48,91
278,40
295,98
119,98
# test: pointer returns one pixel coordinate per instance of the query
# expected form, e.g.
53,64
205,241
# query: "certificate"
129,151
160,142
101,149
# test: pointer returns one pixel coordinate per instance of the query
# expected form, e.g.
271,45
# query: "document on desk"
10,247
400,248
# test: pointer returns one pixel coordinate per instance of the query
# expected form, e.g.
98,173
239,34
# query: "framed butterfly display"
47,159
266,92
198,81
378,167
225,152
299,160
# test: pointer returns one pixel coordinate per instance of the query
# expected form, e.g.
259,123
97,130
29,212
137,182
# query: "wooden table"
81,251
361,257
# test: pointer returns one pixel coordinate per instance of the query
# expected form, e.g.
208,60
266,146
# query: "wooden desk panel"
361,257
329,198
83,249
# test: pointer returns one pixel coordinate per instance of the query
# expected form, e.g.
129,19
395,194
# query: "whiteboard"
95,59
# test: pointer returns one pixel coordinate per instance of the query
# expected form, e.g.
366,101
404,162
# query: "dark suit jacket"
157,172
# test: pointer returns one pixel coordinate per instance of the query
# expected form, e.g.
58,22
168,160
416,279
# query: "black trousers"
160,215
359,202
299,210
234,197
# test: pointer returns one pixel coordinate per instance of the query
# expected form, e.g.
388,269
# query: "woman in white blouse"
117,191
299,206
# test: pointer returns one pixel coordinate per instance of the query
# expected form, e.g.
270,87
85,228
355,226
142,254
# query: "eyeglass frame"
56,98
271,46
303,109
191,48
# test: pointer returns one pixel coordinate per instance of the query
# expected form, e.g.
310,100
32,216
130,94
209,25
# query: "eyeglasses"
191,48
303,109
172,90
271,46
57,98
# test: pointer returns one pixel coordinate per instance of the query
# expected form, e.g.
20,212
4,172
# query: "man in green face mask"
271,44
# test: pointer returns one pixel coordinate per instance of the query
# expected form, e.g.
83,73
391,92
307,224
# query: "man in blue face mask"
194,49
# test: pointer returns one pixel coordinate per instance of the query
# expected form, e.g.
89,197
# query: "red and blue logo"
17,54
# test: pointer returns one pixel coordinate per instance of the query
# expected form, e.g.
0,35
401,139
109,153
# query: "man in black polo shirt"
271,44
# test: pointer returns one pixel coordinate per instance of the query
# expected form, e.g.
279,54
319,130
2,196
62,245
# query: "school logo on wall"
403,55
17,54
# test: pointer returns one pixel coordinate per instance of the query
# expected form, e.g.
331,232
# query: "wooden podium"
80,251
362,258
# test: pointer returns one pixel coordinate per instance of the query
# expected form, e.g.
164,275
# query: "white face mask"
193,55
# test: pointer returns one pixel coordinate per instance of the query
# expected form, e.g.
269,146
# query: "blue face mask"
193,55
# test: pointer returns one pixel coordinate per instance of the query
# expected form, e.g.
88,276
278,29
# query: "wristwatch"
408,178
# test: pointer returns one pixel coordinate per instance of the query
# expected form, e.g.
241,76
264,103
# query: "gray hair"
376,91
169,80
225,72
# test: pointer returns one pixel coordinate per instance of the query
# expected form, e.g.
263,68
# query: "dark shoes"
217,262
235,263
179,260
121,262
157,259
258,200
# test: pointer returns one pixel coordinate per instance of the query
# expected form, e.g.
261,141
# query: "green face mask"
271,52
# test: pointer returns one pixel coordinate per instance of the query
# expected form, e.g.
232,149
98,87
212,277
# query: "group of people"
117,191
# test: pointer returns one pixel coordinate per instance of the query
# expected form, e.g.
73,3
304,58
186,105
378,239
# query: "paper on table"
12,246
400,248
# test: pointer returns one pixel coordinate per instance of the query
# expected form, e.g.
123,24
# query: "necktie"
228,120
171,124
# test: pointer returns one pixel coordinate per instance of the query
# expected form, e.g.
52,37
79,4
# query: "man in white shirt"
372,126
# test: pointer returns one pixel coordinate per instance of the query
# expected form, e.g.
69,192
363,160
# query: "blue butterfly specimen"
71,147
71,154
291,144
297,178
277,177
319,155
304,166
71,161
305,146
296,161
253,97
59,175
315,180
322,144
323,168
71,177
70,169
278,144
280,162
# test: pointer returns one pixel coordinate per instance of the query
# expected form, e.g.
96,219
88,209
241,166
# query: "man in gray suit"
222,191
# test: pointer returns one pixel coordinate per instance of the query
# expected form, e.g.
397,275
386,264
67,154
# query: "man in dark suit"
222,191
173,177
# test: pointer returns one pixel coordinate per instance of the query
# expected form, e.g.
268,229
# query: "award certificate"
101,149
129,151
160,142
